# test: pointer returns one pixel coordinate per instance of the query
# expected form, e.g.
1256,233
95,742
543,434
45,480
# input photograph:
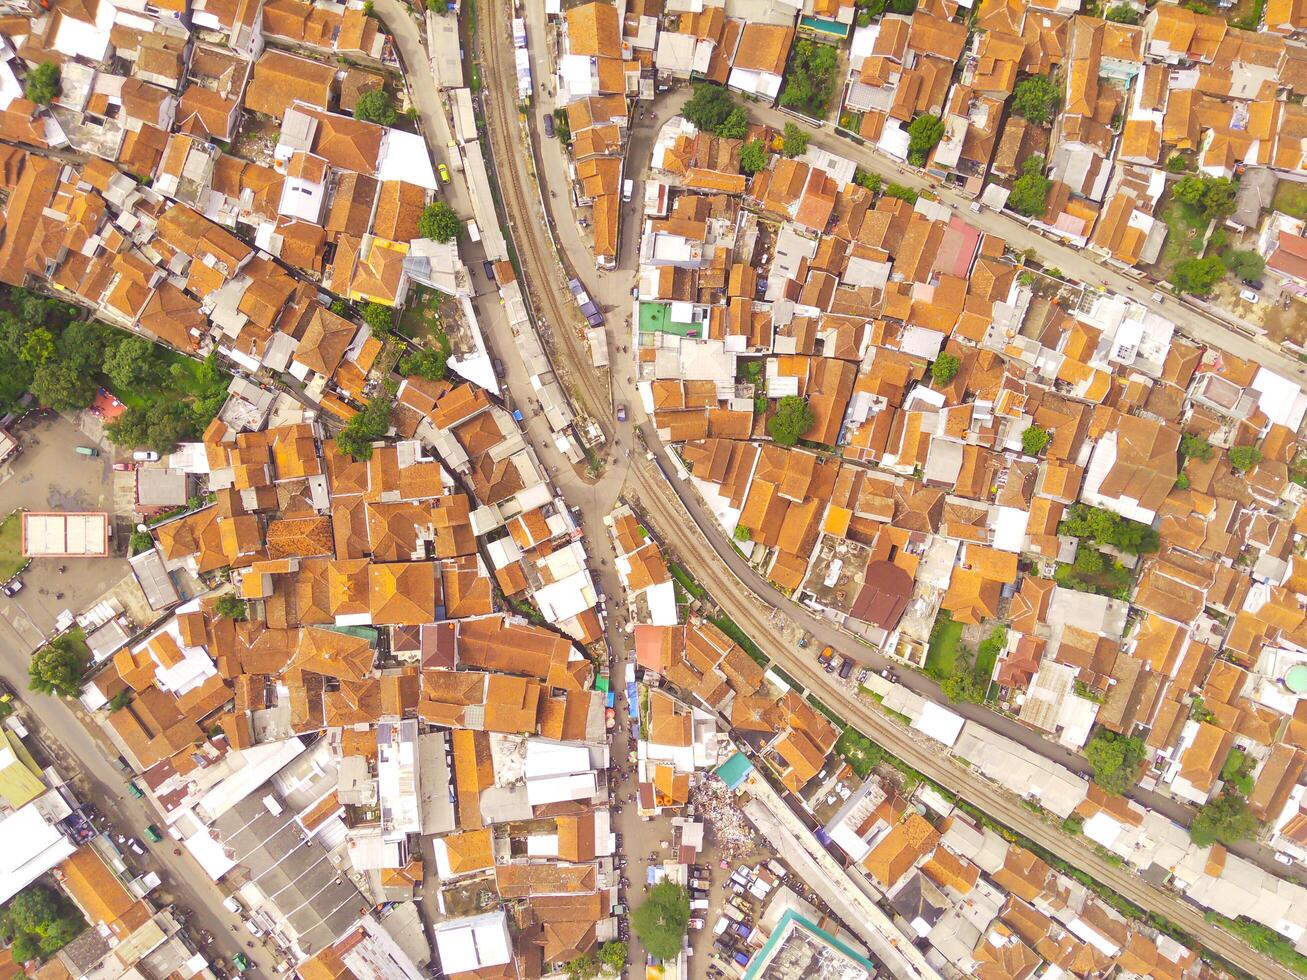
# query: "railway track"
545,288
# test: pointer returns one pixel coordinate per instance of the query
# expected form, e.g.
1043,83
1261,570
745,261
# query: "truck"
628,190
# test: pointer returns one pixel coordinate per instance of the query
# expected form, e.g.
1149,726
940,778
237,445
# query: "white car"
145,456
1283,858
1248,296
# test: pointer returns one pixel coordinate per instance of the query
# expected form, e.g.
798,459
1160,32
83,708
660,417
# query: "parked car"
827,658
152,832
1254,283
1158,298
124,467
12,587
549,126
500,371
241,962
86,451
1283,858
1248,296
846,668
135,845
489,269
135,791
621,413
145,456
444,174
696,923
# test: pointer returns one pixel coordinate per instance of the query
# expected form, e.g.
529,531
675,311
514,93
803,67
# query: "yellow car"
444,173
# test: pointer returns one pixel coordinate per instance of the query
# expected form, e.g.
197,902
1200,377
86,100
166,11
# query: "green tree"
120,700
923,133
1123,13
365,428
708,107
753,157
39,921
869,180
1226,820
83,344
795,140
1035,98
742,533
38,347
1105,527
1177,164
661,920
57,668
131,364
1198,276
1029,194
440,222
42,83
427,362
792,419
1033,440
735,126
580,968
1115,760
945,368
231,606
1193,446
613,955
376,107
1244,458
1218,197
59,385
901,192
380,318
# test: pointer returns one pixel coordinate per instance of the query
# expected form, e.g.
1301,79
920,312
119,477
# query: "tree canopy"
1213,195
1226,820
440,222
131,363
42,83
1245,264
57,667
379,318
1109,528
612,954
1195,446
708,107
1029,194
365,428
1035,98
923,133
735,126
376,107
1198,276
39,922
810,77
231,606
796,140
1034,439
792,419
1115,760
661,920
427,362
1123,13
945,368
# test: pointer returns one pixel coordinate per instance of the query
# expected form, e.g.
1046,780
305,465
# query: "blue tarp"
632,702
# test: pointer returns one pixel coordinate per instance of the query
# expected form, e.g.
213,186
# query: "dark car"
549,126
846,668
500,371
489,269
1254,283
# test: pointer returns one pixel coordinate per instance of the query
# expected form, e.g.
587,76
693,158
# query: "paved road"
709,557
63,725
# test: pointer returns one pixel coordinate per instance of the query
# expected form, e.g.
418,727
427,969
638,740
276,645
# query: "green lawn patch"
727,626
11,546
1186,226
942,656
687,581
860,752
1291,198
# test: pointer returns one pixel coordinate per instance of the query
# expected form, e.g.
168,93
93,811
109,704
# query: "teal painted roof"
734,770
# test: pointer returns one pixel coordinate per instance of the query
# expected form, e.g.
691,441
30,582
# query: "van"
698,904
232,905
628,189
135,791
86,451
152,832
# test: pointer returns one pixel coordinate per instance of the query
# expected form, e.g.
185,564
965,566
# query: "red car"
124,466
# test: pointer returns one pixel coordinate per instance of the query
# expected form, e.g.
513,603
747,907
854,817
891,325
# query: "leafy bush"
380,318
795,139
1123,13
1244,458
1033,440
753,157
230,606
38,922
709,106
1198,276
57,668
1109,528
901,192
1225,820
735,126
428,362
365,428
1195,446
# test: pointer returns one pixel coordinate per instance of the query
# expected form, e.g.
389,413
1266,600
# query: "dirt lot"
48,475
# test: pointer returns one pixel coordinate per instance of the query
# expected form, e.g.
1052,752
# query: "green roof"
657,318
734,770
20,776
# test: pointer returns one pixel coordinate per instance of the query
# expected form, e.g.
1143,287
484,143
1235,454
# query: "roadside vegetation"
1115,760
810,78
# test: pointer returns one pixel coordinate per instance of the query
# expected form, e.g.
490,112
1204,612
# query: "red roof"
1290,256
107,406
